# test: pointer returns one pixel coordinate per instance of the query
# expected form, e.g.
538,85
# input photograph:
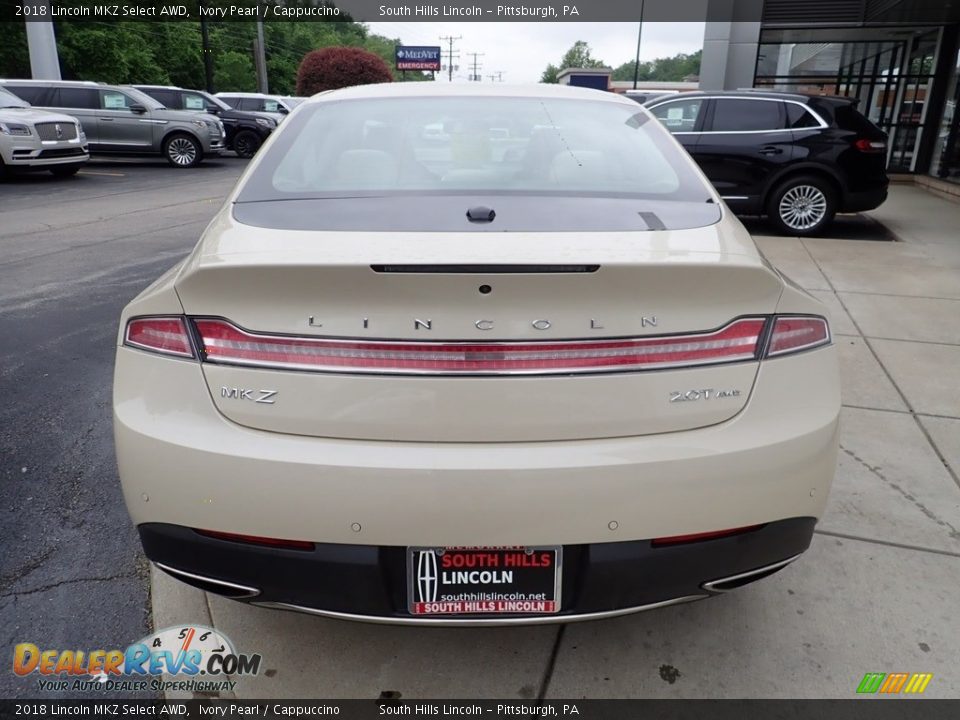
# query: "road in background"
73,252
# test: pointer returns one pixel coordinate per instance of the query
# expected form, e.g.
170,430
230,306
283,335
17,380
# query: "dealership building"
899,57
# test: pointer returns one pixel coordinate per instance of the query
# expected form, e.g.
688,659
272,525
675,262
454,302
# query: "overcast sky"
523,50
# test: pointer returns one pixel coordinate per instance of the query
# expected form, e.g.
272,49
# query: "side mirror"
282,110
139,109
213,109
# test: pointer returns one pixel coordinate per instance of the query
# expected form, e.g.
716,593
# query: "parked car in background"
122,120
38,139
404,378
644,96
278,106
245,131
798,159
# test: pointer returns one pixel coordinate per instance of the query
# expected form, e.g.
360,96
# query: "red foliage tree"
336,67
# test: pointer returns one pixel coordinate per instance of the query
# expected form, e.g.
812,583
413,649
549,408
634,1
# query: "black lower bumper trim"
370,581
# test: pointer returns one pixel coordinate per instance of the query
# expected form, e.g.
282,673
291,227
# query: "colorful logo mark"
894,683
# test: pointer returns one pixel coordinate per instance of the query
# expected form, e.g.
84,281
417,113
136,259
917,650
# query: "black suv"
246,131
798,159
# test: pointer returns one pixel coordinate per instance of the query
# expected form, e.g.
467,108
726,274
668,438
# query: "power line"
450,40
475,75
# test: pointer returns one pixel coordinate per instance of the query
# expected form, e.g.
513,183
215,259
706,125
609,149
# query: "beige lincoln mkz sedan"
526,369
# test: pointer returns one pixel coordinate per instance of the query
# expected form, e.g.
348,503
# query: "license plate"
483,580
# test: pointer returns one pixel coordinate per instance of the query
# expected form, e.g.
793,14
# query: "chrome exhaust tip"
208,584
732,582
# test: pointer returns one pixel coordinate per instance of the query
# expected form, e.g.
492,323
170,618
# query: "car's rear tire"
65,170
182,150
802,205
246,143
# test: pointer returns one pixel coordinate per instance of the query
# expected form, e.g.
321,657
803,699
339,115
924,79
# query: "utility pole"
206,52
475,76
636,65
260,60
450,40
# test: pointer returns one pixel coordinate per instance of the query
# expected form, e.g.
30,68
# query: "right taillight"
794,333
870,146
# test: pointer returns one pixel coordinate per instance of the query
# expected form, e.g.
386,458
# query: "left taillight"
164,335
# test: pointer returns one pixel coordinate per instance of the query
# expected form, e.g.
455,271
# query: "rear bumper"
182,463
364,582
864,199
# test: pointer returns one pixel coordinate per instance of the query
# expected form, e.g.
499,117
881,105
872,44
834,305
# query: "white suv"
39,140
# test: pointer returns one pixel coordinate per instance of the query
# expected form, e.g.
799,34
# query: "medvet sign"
410,57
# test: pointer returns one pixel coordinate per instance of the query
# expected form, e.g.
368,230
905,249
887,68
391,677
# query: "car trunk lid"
539,293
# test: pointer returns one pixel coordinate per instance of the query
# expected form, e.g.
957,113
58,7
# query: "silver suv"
38,139
121,119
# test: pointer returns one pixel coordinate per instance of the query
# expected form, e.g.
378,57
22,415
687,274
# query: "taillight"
795,333
165,335
226,343
870,146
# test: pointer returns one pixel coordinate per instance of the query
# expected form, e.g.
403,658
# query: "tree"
674,68
170,52
578,56
550,75
337,67
235,71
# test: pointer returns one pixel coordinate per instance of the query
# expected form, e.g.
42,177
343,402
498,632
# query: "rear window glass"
799,117
733,115
461,145
849,118
168,98
32,94
78,98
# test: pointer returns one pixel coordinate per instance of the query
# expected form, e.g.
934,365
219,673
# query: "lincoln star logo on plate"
427,575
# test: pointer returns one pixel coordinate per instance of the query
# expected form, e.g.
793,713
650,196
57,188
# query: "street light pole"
636,65
207,58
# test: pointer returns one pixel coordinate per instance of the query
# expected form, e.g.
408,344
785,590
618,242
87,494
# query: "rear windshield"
456,145
849,118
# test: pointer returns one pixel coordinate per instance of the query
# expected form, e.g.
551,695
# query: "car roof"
436,89
66,83
748,93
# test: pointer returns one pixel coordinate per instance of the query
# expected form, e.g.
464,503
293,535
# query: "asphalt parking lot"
72,253
877,592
